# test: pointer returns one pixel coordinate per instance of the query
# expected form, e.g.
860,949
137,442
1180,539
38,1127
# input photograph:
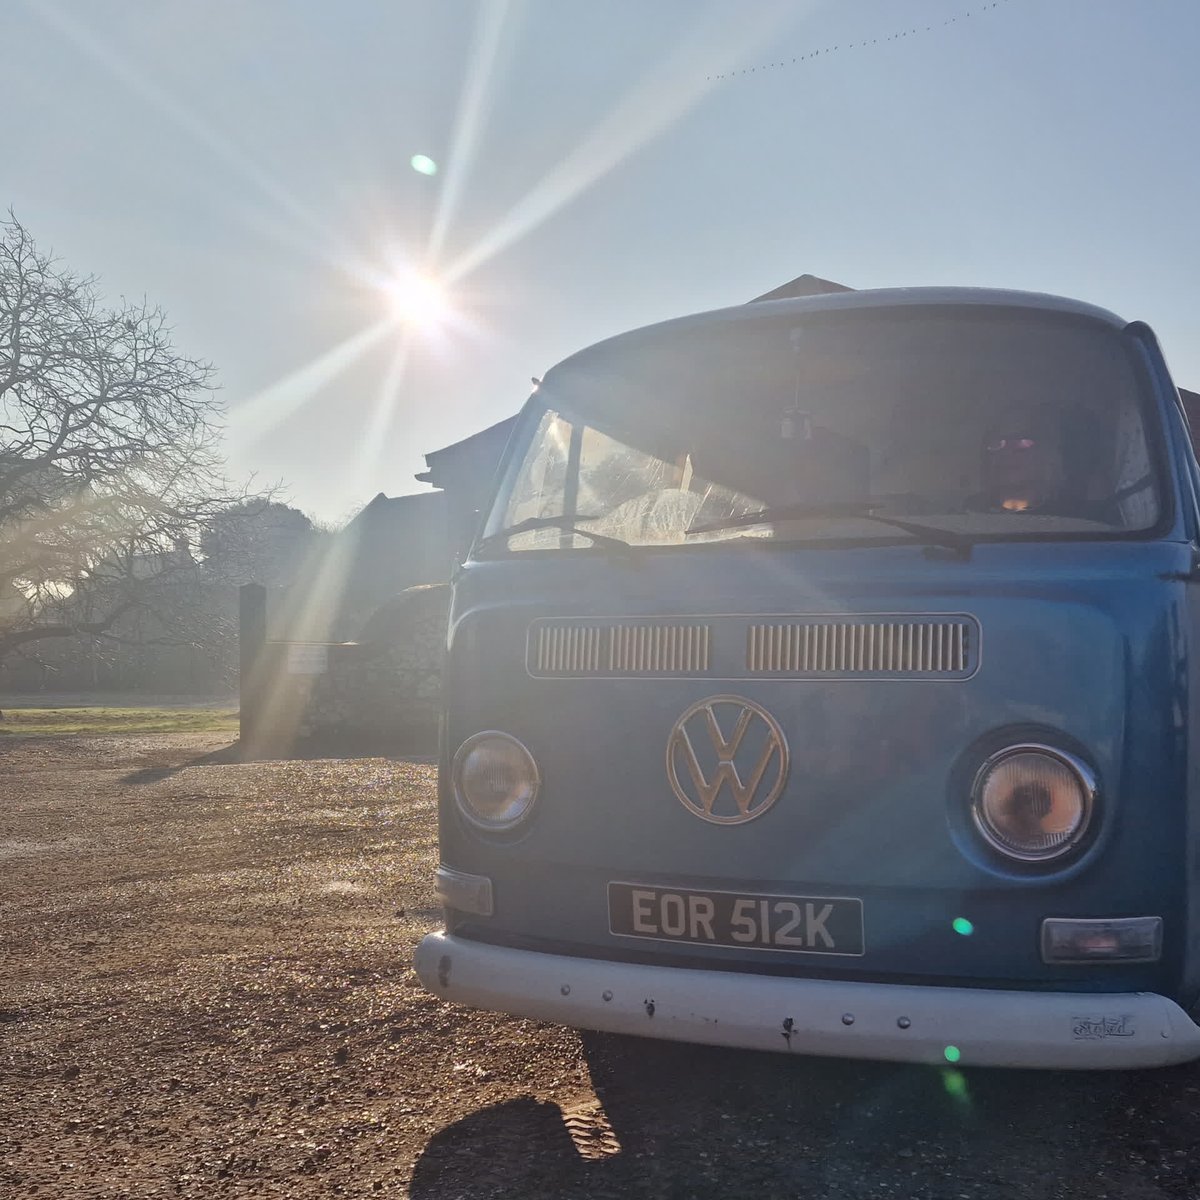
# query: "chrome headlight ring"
495,780
1033,803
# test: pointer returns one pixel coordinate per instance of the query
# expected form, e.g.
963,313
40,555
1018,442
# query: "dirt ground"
206,990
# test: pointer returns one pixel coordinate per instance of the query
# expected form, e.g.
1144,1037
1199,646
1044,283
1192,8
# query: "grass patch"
44,722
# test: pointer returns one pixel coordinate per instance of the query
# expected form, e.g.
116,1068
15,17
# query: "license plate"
745,920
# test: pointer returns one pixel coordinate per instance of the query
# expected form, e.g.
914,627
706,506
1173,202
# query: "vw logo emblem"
727,760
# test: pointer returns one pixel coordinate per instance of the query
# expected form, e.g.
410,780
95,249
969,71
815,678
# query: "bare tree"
110,464
256,542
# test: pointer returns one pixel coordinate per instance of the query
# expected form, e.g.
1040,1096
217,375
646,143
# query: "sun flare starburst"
416,300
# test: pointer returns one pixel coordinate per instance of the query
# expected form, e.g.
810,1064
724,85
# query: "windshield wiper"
566,524
867,509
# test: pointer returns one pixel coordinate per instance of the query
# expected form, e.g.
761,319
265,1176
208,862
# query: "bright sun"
417,300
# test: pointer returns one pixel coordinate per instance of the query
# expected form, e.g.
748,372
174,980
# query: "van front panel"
890,676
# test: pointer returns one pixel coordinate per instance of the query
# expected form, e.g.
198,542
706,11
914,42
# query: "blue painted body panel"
1087,642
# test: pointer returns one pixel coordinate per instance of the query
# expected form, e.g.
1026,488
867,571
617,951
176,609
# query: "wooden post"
252,640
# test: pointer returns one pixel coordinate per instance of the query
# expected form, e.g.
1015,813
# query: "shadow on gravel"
227,754
403,744
687,1121
501,1150
239,752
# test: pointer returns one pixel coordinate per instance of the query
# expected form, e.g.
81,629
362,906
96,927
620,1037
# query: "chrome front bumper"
969,1026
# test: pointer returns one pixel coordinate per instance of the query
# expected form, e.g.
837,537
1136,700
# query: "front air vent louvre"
571,649
851,648
858,646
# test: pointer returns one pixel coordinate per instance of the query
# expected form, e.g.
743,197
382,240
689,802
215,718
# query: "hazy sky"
245,163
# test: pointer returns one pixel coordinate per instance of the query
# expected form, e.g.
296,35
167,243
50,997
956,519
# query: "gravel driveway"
205,990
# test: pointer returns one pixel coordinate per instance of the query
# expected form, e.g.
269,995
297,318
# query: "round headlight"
495,780
1033,803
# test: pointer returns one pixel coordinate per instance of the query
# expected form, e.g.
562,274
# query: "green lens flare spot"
423,164
955,1083
963,926
952,1054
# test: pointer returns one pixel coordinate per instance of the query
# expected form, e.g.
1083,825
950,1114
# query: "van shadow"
670,1120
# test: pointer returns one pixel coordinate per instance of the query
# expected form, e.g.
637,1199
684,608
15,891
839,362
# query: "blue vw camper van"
821,680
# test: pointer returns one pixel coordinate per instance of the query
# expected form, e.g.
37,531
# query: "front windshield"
985,423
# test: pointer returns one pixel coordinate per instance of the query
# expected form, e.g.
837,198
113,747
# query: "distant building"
803,285
466,472
394,543
1191,406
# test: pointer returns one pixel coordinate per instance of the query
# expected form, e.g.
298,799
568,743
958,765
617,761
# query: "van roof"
877,298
